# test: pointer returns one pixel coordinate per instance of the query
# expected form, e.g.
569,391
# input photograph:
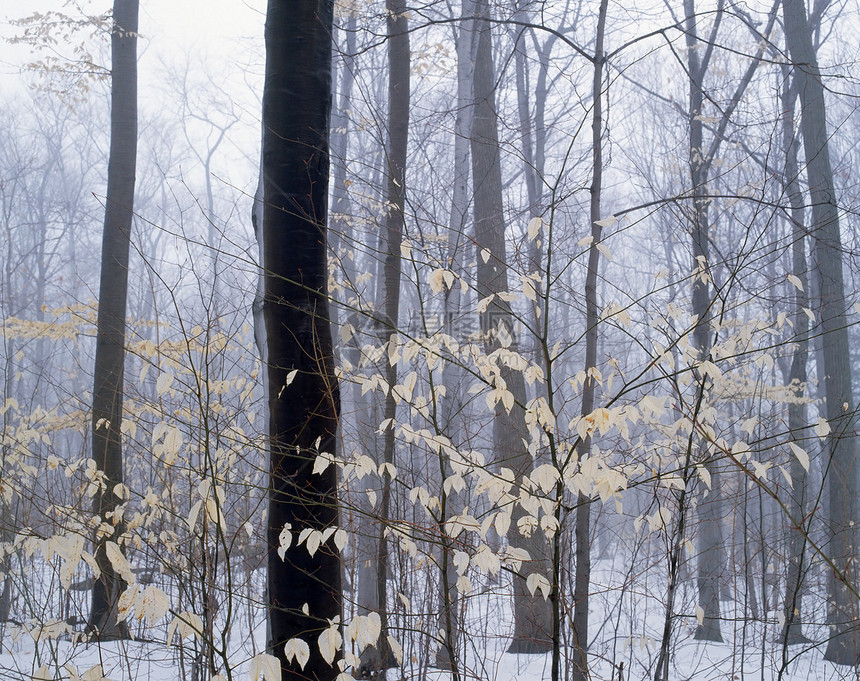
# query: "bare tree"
532,613
582,580
797,375
380,657
304,588
840,464
108,390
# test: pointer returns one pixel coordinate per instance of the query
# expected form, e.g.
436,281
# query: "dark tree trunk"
304,591
582,579
797,378
532,614
113,288
710,543
840,468
380,657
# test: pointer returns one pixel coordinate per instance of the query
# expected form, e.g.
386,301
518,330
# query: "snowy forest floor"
624,646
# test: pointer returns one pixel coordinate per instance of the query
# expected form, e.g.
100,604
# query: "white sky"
169,29
221,37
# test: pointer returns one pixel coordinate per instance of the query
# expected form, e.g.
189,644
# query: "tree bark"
451,419
582,532
340,200
710,543
840,466
533,136
711,548
110,334
380,657
304,591
532,614
797,379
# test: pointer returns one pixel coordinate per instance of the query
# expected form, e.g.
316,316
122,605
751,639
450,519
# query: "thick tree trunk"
840,465
304,591
110,335
532,614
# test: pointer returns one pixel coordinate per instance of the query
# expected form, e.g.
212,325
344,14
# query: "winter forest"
453,341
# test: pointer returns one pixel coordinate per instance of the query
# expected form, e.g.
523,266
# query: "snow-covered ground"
624,622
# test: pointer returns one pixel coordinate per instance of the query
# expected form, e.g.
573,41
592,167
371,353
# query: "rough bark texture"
302,415
532,614
113,288
840,466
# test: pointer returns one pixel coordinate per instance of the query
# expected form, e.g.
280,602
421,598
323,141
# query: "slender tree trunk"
840,465
451,417
797,378
710,543
339,240
533,136
532,614
582,578
378,658
110,335
304,591
711,549
367,408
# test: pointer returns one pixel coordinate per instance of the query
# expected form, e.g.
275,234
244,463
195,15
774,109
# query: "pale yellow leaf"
484,303
94,673
329,642
285,538
299,650
162,385
396,648
153,605
801,455
119,563
436,281
537,581
43,673
502,523
264,667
